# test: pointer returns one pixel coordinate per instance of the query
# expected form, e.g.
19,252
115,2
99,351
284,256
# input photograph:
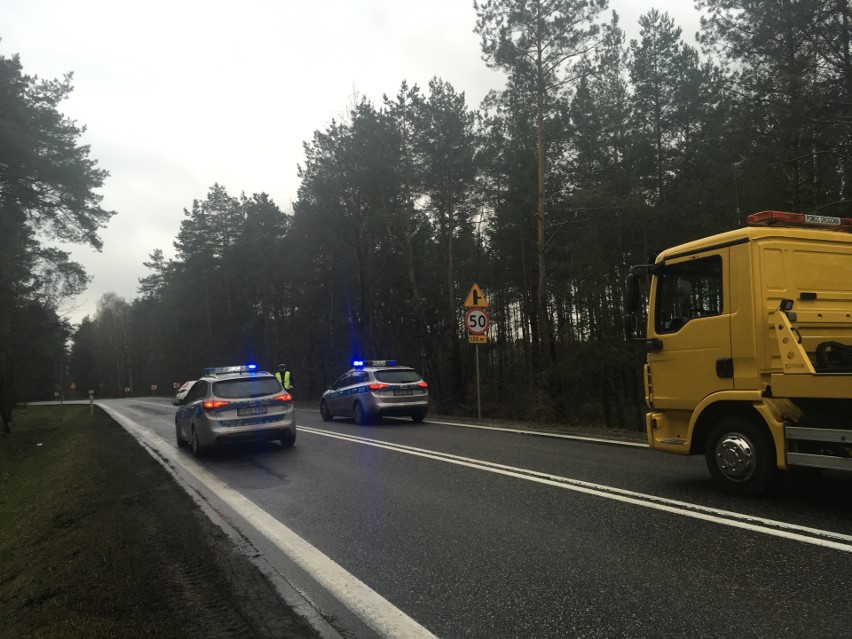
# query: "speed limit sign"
476,320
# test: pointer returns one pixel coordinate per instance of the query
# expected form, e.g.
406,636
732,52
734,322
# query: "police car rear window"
396,376
246,387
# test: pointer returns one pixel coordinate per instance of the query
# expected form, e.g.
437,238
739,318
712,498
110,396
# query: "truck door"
689,345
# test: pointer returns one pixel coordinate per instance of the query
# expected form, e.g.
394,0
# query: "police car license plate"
403,392
251,410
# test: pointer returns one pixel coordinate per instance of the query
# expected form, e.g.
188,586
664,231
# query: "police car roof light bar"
361,363
221,370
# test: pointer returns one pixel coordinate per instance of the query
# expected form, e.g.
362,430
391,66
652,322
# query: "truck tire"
740,456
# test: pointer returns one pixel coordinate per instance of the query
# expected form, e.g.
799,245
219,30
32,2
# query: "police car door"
190,404
337,397
354,386
689,345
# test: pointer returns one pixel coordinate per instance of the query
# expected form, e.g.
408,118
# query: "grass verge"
96,540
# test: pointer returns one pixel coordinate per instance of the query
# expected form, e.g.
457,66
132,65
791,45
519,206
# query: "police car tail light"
375,386
283,397
213,404
422,384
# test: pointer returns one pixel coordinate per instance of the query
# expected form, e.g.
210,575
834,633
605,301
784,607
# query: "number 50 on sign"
476,321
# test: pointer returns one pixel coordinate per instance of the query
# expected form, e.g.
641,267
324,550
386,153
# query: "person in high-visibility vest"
283,375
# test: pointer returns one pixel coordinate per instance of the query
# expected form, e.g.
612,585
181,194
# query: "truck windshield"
687,291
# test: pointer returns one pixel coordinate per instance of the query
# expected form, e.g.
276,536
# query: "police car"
182,391
235,404
373,389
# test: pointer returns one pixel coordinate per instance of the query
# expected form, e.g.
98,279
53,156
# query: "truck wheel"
740,456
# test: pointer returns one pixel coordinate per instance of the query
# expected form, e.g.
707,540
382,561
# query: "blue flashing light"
360,363
222,370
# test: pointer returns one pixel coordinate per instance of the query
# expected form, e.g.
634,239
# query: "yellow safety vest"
286,381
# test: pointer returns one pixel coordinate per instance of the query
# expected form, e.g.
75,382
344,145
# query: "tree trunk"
544,355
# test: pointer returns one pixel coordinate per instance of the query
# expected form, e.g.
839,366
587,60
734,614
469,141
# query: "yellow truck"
749,348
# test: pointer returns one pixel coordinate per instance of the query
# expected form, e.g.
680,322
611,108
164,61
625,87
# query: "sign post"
476,322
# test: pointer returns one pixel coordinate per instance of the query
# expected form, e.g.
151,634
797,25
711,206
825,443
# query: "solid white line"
519,431
785,530
538,433
376,611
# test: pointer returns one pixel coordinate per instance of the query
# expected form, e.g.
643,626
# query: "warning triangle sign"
475,297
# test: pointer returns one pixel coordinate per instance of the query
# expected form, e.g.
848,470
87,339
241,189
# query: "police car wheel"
288,441
419,416
361,417
197,448
181,442
324,412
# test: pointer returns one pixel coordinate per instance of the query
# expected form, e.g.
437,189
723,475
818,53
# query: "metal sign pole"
476,321
478,406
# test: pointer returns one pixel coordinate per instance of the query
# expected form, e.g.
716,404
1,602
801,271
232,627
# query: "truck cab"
749,348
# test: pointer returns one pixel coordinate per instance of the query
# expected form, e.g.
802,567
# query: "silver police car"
182,391
373,389
235,404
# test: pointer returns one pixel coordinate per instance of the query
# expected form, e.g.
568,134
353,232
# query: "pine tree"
538,42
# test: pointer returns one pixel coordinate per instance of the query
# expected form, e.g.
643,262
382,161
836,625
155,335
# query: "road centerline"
784,530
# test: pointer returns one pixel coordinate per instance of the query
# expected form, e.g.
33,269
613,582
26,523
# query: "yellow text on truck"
749,348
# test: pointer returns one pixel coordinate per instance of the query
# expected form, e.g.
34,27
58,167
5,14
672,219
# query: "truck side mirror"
631,305
629,320
631,295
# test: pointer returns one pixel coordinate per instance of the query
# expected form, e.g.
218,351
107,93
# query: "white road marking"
538,433
376,611
520,431
784,530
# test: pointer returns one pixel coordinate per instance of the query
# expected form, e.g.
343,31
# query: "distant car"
374,389
182,391
235,404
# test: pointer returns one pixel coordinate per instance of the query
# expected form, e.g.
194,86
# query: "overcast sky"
177,95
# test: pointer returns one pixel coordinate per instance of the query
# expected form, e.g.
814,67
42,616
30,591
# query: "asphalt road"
484,533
